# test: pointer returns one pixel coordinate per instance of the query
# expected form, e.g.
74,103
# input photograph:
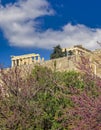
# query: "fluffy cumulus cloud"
18,22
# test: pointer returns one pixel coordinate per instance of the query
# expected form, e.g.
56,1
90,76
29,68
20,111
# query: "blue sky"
36,26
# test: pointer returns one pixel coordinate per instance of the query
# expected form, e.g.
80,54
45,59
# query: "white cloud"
18,22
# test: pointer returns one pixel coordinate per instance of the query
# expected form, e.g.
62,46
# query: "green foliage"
73,79
42,75
51,98
57,52
44,100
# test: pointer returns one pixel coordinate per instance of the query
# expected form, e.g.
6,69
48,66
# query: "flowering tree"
46,100
86,112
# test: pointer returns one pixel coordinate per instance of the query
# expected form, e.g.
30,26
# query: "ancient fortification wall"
61,64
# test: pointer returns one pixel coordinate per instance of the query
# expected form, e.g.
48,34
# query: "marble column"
12,63
19,62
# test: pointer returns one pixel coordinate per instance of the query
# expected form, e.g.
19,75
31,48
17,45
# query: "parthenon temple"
25,59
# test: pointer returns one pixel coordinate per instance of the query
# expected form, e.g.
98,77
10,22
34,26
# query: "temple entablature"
25,59
76,50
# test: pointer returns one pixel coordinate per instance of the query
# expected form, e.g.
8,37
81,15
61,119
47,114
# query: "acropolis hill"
62,64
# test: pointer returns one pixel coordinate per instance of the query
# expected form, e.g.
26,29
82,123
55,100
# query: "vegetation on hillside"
46,100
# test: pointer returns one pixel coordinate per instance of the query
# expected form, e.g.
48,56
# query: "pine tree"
57,52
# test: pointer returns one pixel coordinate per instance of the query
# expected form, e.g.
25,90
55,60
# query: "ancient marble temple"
25,59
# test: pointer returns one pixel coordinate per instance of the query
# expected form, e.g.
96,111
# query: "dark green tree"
57,52
70,53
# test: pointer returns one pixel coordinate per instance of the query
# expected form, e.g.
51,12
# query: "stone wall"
71,62
68,63
61,64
